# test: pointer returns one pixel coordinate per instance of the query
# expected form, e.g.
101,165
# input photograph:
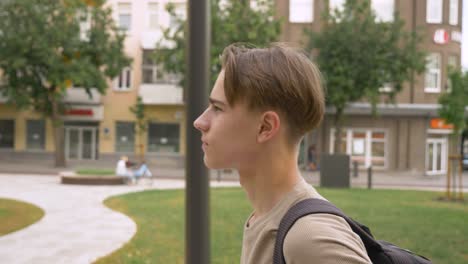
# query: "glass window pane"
432,75
163,138
301,11
378,149
35,134
452,61
431,80
383,10
7,133
153,15
125,137
434,11
453,16
124,21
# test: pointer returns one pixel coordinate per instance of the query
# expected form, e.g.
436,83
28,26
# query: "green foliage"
410,219
47,46
359,55
455,102
101,172
139,111
235,21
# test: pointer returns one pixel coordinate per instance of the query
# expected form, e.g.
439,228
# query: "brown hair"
279,78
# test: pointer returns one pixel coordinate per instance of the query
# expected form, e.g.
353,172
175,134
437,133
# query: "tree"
455,101
359,55
231,21
453,106
48,46
139,111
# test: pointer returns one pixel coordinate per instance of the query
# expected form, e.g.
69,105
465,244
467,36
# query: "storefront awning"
429,110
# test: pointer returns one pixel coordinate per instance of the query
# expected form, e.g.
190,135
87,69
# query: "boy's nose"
199,124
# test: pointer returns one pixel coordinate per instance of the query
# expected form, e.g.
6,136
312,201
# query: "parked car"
465,162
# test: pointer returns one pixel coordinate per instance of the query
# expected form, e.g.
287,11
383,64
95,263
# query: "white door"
80,142
436,156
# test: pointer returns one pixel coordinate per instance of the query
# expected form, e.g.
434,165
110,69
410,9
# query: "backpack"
379,252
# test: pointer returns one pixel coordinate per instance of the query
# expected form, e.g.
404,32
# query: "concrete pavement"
77,228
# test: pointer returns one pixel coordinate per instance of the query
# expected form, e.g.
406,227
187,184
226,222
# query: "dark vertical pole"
197,247
369,177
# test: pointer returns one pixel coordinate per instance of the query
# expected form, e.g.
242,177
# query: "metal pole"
197,247
460,194
369,177
355,169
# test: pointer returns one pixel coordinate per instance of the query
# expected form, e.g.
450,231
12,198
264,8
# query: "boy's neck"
266,185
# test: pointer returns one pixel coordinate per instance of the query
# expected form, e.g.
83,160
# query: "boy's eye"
215,108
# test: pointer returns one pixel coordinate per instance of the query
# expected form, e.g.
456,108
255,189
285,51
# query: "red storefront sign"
79,112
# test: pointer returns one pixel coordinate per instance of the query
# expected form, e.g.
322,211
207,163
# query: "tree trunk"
338,131
59,138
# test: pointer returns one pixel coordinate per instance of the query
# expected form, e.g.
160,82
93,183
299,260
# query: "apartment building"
104,127
408,135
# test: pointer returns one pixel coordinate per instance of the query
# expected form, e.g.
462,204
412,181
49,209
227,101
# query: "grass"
410,219
99,172
15,215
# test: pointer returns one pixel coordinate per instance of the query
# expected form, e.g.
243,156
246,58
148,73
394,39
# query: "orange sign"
439,123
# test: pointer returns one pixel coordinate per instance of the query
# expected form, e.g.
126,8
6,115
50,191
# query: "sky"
464,58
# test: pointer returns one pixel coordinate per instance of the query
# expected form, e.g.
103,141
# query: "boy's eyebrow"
213,101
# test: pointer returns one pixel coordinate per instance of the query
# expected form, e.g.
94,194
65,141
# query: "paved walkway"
77,227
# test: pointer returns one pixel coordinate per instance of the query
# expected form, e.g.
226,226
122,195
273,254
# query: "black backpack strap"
315,206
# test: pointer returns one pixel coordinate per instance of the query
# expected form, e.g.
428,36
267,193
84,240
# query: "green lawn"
15,215
410,219
100,172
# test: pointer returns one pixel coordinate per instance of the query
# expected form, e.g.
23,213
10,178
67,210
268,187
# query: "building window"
301,11
35,134
433,73
7,134
153,16
383,10
453,12
125,137
366,147
163,137
434,11
123,82
155,74
452,61
125,16
149,69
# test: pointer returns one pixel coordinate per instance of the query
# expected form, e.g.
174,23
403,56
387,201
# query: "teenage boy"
261,105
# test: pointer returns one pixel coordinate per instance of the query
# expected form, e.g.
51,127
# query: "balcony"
161,94
77,95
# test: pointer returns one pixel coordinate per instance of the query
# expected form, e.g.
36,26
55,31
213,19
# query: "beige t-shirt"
316,238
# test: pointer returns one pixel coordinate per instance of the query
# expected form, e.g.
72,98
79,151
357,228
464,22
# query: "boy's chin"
213,165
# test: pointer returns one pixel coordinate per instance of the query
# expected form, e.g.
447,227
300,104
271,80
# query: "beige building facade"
103,127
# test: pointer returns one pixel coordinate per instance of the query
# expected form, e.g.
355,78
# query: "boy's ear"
269,126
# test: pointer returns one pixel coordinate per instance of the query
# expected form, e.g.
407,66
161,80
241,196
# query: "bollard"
369,177
219,175
355,169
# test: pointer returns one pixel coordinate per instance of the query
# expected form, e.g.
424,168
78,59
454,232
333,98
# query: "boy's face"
229,133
